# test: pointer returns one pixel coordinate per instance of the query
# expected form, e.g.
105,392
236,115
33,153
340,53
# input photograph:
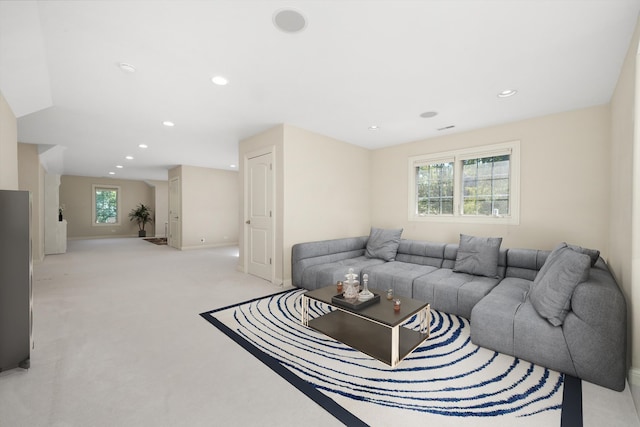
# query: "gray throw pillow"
594,254
478,255
554,284
383,244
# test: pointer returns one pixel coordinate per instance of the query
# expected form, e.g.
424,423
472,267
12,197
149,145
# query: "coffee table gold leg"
304,313
395,346
425,320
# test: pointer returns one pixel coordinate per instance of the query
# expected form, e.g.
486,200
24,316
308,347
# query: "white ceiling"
356,64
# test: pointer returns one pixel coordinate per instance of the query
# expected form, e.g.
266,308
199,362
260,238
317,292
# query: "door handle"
248,221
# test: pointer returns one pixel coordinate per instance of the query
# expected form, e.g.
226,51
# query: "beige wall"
326,189
564,170
210,200
31,178
76,194
622,232
8,147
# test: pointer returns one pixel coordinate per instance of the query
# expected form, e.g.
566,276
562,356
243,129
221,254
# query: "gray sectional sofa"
587,341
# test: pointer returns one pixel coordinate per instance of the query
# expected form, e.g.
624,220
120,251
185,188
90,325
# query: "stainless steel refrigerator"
15,279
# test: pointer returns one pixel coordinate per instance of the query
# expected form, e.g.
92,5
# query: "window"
485,185
435,188
472,185
106,205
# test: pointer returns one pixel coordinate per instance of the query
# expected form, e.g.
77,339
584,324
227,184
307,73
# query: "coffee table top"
382,312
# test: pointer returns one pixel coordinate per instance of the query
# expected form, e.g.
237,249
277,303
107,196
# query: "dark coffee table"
375,330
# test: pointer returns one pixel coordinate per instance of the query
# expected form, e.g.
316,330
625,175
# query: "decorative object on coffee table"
354,304
351,286
366,294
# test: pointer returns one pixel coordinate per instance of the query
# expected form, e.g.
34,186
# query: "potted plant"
142,216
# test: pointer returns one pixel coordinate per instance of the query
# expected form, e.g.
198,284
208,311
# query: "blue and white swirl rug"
446,381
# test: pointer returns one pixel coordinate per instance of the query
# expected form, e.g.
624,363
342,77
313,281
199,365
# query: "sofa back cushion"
525,263
307,254
421,252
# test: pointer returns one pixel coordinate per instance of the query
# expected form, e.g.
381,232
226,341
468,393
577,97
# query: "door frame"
277,258
179,222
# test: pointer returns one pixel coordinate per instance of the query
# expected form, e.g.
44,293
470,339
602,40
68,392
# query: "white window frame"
512,148
95,187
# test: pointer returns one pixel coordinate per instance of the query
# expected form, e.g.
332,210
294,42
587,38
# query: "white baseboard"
202,246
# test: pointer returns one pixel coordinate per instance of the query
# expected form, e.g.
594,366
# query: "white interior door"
260,220
175,238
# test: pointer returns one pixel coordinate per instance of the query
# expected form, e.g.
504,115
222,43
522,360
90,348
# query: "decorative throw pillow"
554,284
593,253
478,255
383,244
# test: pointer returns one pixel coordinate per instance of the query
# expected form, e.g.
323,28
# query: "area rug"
447,381
157,240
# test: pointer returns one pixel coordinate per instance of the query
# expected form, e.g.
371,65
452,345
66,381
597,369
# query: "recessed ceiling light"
127,67
112,173
289,21
232,166
129,158
119,166
507,93
168,123
428,114
219,80
374,127
143,145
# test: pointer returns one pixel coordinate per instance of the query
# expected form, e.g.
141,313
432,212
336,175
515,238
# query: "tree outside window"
106,207
485,185
435,188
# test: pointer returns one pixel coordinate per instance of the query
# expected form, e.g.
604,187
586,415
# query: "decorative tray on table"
354,304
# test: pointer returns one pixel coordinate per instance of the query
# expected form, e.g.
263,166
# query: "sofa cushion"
492,317
383,244
478,255
396,275
555,282
451,292
421,252
535,339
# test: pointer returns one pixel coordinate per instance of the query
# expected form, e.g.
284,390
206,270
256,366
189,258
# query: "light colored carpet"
119,342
